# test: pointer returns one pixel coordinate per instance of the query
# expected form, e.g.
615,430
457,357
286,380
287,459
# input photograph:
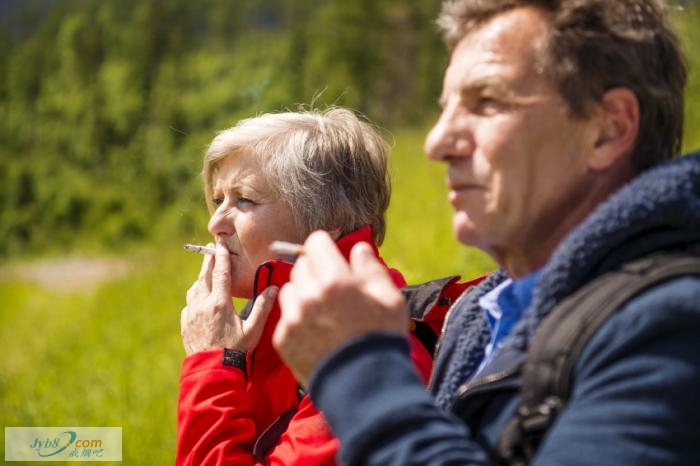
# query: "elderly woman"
273,177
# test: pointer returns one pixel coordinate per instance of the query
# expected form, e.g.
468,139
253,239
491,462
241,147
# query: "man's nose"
435,141
449,137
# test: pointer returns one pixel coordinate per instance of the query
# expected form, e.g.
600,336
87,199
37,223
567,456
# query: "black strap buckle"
523,434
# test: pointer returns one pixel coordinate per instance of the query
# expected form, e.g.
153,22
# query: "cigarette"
286,249
200,249
278,247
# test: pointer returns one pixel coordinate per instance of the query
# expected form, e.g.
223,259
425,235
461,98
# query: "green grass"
111,356
419,238
686,22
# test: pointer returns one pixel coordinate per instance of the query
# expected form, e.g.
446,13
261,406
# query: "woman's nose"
220,224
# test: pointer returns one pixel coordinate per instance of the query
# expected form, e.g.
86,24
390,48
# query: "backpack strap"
547,374
272,435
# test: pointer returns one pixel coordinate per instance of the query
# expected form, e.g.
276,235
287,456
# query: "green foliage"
687,23
109,104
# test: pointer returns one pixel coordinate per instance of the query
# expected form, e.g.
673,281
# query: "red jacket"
224,419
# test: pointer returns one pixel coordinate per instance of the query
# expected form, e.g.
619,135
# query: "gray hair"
330,167
594,46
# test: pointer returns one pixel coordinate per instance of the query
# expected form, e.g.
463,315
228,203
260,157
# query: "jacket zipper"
477,385
472,397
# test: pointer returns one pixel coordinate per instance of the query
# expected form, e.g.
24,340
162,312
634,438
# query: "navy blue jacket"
634,401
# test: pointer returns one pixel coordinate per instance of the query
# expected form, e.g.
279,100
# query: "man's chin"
463,229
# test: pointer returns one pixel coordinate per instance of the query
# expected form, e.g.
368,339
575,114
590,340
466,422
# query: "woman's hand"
209,320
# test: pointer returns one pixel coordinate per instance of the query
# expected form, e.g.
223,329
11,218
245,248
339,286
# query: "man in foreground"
559,122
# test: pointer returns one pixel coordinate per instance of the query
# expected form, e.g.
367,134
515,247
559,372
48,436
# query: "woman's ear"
618,129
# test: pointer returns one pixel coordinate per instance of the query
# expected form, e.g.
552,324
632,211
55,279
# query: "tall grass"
108,357
111,356
419,227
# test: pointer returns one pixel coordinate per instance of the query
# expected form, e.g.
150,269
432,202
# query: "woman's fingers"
255,323
377,284
184,329
221,274
206,269
209,321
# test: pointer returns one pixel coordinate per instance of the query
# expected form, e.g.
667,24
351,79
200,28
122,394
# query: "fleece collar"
276,272
657,210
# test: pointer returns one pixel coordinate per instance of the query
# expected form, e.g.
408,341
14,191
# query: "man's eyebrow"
488,82
478,85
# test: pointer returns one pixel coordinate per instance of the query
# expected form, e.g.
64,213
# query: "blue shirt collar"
504,307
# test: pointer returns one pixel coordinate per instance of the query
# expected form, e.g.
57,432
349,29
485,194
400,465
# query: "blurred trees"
106,106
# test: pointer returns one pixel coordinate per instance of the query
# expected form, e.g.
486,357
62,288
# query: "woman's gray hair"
330,167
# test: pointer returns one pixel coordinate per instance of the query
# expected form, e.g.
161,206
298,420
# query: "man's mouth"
454,187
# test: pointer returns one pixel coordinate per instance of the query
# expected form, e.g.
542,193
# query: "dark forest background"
106,106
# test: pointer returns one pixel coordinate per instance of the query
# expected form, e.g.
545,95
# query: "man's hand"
209,320
329,301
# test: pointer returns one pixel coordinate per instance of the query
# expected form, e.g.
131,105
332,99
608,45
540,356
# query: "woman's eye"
233,200
244,201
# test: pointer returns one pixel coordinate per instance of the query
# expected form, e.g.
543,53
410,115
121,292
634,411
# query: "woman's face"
248,217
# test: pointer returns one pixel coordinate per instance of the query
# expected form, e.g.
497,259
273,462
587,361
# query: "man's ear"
619,126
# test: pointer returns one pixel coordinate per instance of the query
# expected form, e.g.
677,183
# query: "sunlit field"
109,354
93,352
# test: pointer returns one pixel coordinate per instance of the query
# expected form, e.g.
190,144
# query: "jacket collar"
658,210
276,272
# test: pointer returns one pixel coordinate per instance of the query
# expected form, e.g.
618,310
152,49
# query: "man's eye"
486,101
488,105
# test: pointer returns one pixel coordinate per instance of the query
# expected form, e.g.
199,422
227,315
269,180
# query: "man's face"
516,159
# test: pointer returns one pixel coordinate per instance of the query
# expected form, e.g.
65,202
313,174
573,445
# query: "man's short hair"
594,46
